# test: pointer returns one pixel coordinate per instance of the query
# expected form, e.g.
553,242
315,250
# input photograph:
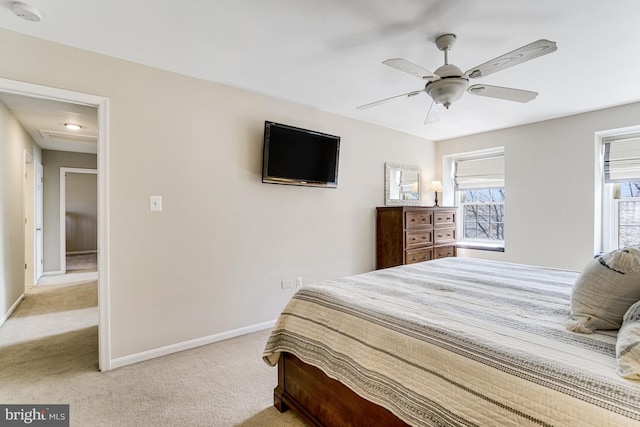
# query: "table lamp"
435,186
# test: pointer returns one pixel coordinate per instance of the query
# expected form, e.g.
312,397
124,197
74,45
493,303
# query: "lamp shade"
435,186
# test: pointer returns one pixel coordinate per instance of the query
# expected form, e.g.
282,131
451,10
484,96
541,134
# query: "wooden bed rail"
323,401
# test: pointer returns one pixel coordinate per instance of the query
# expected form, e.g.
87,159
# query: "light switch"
155,203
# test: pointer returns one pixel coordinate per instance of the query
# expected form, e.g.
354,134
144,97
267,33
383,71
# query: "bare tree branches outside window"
483,214
629,214
630,189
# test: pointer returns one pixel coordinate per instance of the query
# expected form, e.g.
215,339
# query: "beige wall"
52,162
14,140
213,260
551,195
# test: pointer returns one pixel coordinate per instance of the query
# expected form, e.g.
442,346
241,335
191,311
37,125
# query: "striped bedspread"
460,342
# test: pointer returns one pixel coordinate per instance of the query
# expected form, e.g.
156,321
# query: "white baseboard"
94,251
186,345
11,310
53,273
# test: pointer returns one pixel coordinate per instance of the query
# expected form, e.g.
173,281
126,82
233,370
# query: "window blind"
485,172
622,158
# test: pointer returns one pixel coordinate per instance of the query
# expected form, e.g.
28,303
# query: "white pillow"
628,344
605,290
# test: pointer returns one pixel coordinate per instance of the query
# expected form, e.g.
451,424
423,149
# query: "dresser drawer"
444,217
444,252
415,219
418,238
418,255
444,235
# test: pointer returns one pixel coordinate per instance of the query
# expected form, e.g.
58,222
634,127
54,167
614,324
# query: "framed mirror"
401,185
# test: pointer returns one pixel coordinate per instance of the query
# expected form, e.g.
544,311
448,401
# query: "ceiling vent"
63,136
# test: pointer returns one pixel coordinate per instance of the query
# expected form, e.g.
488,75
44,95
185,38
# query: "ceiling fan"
447,84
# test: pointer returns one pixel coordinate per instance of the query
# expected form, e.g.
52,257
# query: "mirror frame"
388,168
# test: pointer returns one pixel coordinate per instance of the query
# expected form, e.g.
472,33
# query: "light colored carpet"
48,354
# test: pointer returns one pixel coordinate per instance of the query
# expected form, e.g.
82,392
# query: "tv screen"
297,156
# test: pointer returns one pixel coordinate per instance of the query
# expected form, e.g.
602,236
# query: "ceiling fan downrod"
445,42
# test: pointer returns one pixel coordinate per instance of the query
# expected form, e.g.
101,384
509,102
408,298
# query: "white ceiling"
327,53
44,120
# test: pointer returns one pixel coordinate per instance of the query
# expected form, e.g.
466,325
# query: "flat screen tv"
297,156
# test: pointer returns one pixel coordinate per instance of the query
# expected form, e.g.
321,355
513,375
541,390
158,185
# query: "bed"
450,342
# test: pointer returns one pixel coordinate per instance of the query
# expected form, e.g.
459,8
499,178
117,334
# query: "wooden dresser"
408,234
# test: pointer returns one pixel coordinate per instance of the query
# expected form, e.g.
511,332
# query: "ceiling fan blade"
510,94
525,53
434,114
382,101
411,68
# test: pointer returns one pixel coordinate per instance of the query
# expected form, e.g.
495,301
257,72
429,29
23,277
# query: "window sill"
480,246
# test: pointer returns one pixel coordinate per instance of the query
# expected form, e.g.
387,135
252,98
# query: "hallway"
53,332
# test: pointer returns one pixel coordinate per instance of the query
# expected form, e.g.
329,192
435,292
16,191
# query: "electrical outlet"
299,282
286,284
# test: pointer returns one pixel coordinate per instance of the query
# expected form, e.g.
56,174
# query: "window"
483,214
626,213
621,192
479,185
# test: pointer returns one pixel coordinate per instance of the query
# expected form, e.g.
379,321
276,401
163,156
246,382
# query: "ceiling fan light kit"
448,83
447,90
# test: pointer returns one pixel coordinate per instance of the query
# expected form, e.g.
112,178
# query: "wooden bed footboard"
323,401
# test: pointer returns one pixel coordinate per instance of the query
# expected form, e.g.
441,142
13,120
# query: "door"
39,266
29,222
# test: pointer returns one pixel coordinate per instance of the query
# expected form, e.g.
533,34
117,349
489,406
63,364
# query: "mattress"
459,342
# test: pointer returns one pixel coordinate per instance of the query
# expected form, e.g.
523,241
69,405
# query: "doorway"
78,219
101,104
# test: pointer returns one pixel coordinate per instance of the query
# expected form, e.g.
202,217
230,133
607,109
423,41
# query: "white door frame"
102,104
63,211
